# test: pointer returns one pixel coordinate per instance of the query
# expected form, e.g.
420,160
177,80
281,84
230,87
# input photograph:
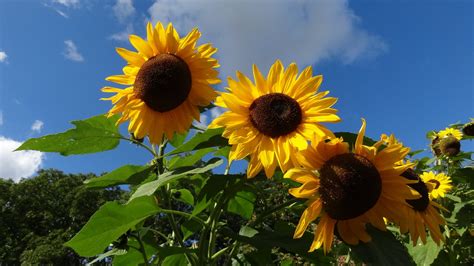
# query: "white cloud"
123,9
122,36
1,117
37,126
67,3
61,13
3,57
246,32
71,52
18,164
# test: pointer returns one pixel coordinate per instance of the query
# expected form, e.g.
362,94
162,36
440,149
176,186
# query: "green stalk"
165,194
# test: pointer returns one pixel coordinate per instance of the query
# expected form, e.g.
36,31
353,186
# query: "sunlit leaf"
167,177
424,254
110,222
207,139
127,174
242,204
384,249
91,135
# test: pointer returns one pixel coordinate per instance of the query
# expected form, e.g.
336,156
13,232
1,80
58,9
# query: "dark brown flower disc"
468,129
275,114
163,82
349,186
435,146
449,146
422,203
435,182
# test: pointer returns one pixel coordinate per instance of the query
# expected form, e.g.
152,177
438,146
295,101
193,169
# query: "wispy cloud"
61,13
67,3
37,126
260,31
122,36
123,10
20,164
71,52
3,57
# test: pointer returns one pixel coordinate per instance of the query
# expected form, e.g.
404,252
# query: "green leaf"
209,138
384,249
183,195
352,137
134,255
127,174
112,252
110,222
173,255
242,204
211,188
189,160
149,188
190,227
424,254
178,139
174,260
94,134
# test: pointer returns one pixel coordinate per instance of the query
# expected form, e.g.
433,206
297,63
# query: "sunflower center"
422,203
435,182
349,186
163,82
275,114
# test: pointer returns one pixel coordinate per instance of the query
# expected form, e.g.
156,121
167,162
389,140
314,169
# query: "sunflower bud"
449,146
468,129
435,146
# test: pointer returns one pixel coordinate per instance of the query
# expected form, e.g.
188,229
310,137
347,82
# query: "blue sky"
405,66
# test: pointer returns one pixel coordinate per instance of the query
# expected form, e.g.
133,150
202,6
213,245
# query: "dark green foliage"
40,214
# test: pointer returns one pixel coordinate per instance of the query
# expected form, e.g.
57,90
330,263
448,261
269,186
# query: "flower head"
351,189
441,183
274,116
168,78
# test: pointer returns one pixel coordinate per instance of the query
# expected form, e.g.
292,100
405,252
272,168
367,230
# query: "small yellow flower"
167,80
450,132
441,183
421,214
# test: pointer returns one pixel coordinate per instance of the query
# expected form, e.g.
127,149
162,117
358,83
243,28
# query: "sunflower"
350,189
450,132
441,183
421,213
168,78
274,117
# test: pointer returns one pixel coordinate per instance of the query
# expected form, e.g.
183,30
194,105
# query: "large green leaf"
209,138
167,177
94,134
127,174
242,204
424,254
189,159
110,222
134,255
212,187
384,249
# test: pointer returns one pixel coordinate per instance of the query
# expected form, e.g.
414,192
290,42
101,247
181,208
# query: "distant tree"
38,215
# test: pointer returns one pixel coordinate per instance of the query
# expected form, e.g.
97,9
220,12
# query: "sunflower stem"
165,193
